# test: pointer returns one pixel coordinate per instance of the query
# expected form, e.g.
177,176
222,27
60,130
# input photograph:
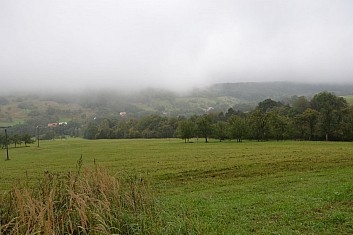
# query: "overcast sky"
174,44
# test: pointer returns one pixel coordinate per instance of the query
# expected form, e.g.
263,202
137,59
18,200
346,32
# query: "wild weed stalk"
88,201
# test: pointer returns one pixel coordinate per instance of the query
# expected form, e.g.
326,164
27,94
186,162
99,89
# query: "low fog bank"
59,87
248,89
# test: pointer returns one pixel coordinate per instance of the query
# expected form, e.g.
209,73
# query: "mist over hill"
16,108
257,91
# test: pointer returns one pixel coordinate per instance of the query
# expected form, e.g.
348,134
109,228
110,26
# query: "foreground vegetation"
215,188
89,202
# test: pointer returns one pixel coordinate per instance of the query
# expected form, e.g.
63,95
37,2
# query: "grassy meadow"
215,188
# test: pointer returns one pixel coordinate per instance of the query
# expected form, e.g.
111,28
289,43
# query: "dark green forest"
225,111
325,116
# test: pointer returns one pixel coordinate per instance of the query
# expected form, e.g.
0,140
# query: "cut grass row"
218,188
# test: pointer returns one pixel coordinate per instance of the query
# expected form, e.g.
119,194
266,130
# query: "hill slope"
15,109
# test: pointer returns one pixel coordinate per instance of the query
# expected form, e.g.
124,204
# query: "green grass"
217,188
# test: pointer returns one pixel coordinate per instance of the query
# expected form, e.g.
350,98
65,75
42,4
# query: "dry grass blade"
85,202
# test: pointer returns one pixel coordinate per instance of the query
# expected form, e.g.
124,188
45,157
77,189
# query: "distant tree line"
324,117
16,140
151,126
39,126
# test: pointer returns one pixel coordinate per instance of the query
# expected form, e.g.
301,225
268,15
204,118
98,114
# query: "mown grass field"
217,188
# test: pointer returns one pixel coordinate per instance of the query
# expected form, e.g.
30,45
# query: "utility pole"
7,146
6,142
38,136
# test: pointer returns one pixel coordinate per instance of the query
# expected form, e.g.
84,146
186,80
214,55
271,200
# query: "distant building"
209,109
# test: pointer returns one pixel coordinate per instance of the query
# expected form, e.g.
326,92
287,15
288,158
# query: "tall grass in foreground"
90,201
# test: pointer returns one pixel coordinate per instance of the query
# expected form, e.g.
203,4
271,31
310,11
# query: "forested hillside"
139,111
324,117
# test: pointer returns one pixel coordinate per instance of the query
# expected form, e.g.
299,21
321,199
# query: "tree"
103,130
72,128
91,131
204,126
15,139
121,130
237,128
345,128
220,130
300,104
155,126
230,112
132,130
300,128
27,139
2,141
330,108
278,125
268,104
308,121
259,124
186,129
